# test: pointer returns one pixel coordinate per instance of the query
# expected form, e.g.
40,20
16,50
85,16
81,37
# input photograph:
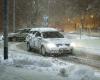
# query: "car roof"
43,29
24,29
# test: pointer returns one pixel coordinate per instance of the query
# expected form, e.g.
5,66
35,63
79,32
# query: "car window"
25,31
52,35
32,32
38,34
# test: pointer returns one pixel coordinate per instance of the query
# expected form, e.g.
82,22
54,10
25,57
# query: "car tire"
43,51
28,47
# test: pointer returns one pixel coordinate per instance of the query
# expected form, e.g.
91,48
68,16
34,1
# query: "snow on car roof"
43,29
24,28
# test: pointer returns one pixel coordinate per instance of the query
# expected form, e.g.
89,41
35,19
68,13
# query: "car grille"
63,50
58,45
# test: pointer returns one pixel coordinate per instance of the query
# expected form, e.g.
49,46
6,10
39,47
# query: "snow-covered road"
23,65
82,58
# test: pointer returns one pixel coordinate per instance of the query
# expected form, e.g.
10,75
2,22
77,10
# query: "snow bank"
50,65
78,72
46,65
82,73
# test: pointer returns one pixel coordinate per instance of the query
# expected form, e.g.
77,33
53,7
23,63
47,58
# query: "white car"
48,41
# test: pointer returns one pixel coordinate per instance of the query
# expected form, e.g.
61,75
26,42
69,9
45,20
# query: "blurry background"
67,15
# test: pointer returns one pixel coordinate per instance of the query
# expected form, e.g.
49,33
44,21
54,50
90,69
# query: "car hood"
21,34
58,40
11,34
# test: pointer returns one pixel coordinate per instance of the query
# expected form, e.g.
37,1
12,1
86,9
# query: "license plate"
63,50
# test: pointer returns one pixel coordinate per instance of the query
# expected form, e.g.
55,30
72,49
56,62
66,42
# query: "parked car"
19,35
48,41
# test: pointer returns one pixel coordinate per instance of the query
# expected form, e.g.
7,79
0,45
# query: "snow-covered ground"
84,43
21,66
78,36
31,67
89,46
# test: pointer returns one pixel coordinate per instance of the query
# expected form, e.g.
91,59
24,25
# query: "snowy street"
86,57
24,65
50,40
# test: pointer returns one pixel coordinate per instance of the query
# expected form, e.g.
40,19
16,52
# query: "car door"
30,35
37,40
31,38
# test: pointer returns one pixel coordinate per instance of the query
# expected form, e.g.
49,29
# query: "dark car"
19,35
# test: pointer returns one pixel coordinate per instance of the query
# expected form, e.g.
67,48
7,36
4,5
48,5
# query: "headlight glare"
51,45
73,45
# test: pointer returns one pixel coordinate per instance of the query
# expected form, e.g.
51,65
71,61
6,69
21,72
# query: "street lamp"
14,15
45,18
93,22
91,16
81,27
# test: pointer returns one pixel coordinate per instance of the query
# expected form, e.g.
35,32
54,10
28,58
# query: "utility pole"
14,15
5,27
82,25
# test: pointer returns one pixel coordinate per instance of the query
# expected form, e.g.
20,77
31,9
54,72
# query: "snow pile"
6,62
82,73
33,62
50,65
25,60
77,72
43,65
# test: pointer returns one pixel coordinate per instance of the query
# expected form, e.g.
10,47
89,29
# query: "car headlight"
73,45
51,45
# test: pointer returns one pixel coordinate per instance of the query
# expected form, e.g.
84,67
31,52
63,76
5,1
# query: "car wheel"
28,47
43,51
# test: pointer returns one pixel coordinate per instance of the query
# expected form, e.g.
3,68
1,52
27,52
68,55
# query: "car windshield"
53,34
24,31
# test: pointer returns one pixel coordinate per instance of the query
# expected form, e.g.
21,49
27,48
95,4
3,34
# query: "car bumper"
60,50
